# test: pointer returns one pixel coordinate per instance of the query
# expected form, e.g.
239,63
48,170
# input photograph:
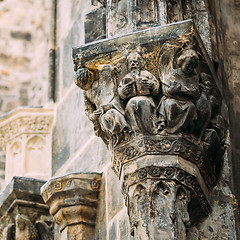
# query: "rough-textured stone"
95,25
22,38
23,214
73,201
167,146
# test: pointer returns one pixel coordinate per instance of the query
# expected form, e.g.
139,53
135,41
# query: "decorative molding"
26,134
25,121
73,201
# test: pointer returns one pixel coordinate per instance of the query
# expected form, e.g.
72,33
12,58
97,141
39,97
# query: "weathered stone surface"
73,201
225,35
26,136
71,138
152,97
86,53
95,25
115,201
23,214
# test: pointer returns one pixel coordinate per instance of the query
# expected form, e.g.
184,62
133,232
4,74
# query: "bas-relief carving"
24,228
159,208
175,112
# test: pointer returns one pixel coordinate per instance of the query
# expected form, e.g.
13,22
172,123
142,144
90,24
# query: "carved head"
188,61
133,61
84,78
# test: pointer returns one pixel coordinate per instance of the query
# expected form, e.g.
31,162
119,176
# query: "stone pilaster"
73,201
152,97
23,214
26,137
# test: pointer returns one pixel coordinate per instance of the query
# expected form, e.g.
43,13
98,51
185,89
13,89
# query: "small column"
23,214
26,137
73,201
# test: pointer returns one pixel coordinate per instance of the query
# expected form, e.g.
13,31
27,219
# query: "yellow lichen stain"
5,72
235,203
99,62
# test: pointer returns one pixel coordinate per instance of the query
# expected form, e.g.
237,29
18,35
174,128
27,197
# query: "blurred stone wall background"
24,41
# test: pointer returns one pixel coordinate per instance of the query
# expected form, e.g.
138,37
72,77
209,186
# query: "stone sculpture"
162,123
180,84
136,90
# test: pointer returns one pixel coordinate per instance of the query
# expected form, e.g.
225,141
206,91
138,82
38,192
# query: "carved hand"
127,90
95,115
174,87
106,107
148,84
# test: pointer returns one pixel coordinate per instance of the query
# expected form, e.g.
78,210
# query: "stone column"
73,201
23,214
152,97
26,137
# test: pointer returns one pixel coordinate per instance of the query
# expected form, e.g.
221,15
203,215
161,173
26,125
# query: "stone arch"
15,159
36,155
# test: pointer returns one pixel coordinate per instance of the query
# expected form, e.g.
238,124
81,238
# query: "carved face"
188,61
189,65
133,61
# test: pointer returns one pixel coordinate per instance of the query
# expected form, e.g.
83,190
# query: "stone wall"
225,35
24,31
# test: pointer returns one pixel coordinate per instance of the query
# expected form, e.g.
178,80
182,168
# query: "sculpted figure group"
181,101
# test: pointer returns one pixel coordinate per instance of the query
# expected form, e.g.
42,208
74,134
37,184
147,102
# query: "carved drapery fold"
152,97
73,201
26,136
23,214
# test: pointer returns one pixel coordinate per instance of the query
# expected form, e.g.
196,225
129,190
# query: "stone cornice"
23,189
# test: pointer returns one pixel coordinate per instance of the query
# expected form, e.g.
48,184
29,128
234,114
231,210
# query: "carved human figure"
25,230
158,210
136,90
180,85
44,226
104,109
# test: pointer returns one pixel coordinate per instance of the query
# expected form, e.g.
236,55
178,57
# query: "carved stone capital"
25,134
23,214
150,175
73,201
153,98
